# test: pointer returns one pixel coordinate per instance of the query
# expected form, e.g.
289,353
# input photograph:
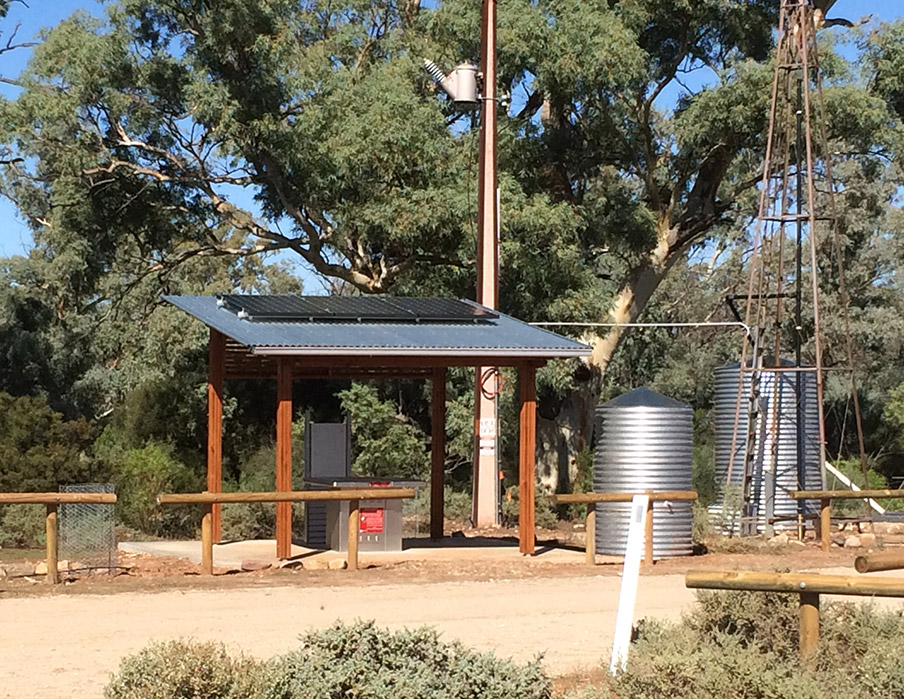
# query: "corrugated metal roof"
501,336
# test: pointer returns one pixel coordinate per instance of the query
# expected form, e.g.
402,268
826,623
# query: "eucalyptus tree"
181,130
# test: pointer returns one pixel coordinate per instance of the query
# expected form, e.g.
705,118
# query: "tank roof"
644,398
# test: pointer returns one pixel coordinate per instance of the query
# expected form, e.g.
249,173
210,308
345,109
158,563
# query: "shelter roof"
437,336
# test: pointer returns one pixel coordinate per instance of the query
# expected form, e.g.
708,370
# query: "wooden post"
216,350
353,519
825,524
437,453
879,560
527,447
284,455
648,531
50,532
590,536
809,626
207,540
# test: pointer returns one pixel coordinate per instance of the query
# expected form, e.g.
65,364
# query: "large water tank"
644,442
776,439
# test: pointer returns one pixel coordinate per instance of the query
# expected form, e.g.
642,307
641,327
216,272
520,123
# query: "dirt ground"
66,640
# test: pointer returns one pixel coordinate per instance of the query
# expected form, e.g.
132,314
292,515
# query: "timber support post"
284,455
53,552
809,626
216,371
207,537
438,453
590,535
825,524
527,448
353,520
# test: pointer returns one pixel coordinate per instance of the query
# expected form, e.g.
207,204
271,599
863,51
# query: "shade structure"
291,337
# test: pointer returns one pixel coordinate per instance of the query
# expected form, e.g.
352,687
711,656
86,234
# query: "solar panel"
390,309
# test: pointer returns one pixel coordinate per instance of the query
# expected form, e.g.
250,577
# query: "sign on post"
624,619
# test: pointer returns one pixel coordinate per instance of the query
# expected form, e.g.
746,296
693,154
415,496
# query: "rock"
779,540
852,542
338,564
458,534
292,563
316,564
41,567
797,543
4,573
866,526
868,541
250,564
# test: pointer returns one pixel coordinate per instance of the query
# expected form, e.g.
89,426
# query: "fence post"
51,531
648,530
590,536
207,540
809,626
353,516
825,524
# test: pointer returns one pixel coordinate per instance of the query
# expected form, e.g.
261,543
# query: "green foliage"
342,662
457,505
386,443
142,475
742,644
183,670
22,526
544,513
702,530
364,661
39,451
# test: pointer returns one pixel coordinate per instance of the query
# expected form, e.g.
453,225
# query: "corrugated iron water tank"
643,442
777,438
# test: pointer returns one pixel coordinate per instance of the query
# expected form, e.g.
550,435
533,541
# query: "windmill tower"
795,240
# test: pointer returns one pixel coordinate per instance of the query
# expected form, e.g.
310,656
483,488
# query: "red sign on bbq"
371,520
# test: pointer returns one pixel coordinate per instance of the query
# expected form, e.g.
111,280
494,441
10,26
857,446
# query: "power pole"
485,502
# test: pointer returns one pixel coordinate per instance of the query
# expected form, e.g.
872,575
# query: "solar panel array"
286,308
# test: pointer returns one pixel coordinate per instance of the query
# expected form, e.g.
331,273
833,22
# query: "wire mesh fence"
86,531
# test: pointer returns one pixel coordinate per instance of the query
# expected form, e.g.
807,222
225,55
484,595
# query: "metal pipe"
564,324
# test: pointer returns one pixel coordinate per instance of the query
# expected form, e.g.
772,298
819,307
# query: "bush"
22,526
342,662
545,515
745,645
183,670
363,661
144,474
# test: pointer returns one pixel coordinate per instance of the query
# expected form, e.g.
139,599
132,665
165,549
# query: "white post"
624,619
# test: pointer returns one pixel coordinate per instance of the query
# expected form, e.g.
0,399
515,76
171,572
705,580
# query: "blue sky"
15,237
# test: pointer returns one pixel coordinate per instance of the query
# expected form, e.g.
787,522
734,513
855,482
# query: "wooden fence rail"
51,525
352,495
593,498
825,498
808,585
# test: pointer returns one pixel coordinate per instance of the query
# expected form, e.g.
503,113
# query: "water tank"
776,439
643,442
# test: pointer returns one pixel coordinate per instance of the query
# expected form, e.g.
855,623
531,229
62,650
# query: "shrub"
22,526
358,661
745,645
544,513
141,476
183,670
363,661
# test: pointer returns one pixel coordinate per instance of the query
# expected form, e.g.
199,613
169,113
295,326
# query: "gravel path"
67,645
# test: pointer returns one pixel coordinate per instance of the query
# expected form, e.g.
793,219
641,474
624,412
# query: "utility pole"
485,502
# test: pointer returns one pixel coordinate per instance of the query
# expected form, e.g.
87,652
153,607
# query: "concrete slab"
231,554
